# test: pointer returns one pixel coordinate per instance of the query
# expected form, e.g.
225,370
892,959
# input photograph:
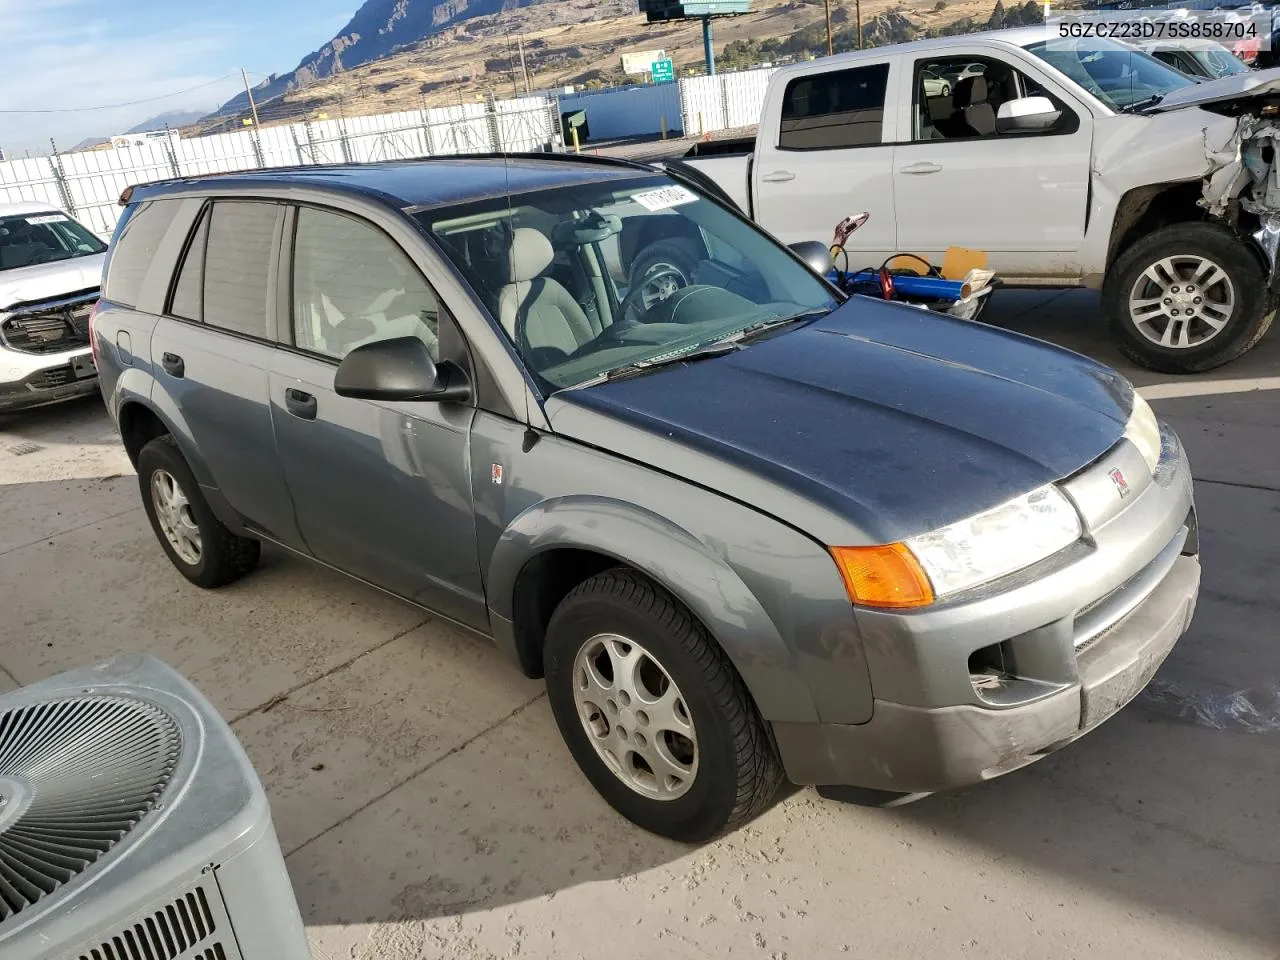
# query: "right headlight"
961,555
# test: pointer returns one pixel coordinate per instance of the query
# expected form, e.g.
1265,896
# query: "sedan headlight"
1143,431
964,554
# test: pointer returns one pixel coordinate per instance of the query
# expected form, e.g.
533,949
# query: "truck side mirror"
1027,115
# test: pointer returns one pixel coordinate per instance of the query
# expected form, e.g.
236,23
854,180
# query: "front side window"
43,237
236,264
353,285
835,109
959,98
1120,76
595,278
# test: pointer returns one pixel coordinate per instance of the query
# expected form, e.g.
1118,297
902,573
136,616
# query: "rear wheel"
653,711
196,542
1187,298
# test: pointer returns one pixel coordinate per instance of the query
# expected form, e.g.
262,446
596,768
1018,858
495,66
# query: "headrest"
530,254
971,90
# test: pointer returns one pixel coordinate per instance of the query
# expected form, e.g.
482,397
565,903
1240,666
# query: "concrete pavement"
428,808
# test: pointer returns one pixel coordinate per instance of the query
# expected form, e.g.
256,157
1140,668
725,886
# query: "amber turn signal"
883,576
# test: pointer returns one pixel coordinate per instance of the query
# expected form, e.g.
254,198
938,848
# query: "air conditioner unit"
132,826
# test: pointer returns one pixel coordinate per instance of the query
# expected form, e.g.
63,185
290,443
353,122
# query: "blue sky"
86,53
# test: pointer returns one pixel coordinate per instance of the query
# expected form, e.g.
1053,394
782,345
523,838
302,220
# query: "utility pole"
857,12
524,70
708,46
511,60
826,5
253,107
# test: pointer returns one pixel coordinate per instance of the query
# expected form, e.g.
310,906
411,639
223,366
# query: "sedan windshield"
1118,75
32,238
595,279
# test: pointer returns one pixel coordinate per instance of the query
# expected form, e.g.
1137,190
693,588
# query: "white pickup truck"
1072,163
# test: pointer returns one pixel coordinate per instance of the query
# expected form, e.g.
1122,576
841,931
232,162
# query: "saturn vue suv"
746,529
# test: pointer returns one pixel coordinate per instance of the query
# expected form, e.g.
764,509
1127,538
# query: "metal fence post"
495,131
60,177
311,141
342,137
169,152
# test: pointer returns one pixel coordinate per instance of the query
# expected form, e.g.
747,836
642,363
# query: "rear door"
831,157
211,352
1020,197
382,489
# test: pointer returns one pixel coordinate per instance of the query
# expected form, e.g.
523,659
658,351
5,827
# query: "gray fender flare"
682,564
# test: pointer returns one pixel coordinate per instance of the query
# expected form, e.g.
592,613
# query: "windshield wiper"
751,331
1143,104
717,348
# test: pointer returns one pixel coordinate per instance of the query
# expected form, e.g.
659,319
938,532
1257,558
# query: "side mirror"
399,369
816,255
1026,115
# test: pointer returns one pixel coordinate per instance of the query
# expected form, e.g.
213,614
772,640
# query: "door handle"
300,403
174,365
778,176
921,168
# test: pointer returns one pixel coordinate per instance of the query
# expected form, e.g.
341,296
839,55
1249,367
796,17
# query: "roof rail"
127,195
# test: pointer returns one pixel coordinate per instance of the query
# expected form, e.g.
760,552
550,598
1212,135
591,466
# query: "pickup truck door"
382,489
825,152
1020,197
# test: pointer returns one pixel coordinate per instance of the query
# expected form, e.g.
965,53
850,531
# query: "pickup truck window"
834,109
958,98
696,275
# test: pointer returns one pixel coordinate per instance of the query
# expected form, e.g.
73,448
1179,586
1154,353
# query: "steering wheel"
655,286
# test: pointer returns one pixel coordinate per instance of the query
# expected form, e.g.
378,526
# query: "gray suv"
744,527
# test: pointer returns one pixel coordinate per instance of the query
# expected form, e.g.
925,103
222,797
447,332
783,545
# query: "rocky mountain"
377,30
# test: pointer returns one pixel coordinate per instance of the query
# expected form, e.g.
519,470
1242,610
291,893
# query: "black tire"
738,770
224,557
1249,321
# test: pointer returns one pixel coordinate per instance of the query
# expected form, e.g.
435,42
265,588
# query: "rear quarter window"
134,249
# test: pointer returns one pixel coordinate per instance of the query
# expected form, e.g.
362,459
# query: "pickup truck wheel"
1187,298
203,550
653,711
660,269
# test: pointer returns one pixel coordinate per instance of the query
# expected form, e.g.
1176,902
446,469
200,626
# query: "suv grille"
52,327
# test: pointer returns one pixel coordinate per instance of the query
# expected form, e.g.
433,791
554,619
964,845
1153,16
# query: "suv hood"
873,424
1239,86
45,281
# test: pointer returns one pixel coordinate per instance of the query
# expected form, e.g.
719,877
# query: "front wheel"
1187,298
653,711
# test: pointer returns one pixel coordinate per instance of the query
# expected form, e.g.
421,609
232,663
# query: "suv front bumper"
910,749
31,381
985,684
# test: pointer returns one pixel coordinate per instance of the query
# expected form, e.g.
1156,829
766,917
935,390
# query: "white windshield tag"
664,198
47,218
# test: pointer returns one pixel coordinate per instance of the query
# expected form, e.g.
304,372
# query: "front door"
382,490
833,158
958,182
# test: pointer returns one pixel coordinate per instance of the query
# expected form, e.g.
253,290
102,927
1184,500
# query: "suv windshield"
1118,75
595,278
32,238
